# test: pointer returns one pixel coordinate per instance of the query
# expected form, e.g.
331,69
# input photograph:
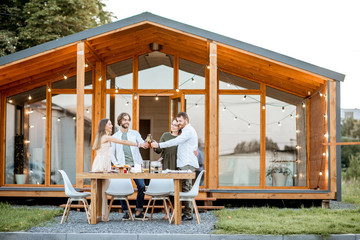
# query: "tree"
27,23
254,146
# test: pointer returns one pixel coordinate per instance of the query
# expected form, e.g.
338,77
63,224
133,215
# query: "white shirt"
187,143
117,152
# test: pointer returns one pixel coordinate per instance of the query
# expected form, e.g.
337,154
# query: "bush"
353,171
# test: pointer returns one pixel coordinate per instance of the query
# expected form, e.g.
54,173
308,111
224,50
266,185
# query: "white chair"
73,196
191,195
120,189
159,189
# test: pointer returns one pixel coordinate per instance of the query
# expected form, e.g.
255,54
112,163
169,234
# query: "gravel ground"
77,223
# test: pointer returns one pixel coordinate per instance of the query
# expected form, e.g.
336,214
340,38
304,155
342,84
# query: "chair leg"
65,210
130,212
166,209
170,204
86,209
196,210
152,209
109,208
147,208
67,214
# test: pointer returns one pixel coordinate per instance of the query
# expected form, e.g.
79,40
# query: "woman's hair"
100,132
179,132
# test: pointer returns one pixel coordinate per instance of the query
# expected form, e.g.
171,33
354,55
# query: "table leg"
177,207
99,199
93,202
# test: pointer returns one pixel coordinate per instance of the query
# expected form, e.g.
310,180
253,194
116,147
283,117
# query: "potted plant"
278,172
19,159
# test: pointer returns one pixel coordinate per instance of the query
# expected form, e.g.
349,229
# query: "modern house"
262,118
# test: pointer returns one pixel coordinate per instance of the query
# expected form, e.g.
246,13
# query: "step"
133,206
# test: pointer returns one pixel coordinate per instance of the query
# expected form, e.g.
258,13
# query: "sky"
325,33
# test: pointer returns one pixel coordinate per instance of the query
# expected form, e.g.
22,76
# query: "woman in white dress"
102,161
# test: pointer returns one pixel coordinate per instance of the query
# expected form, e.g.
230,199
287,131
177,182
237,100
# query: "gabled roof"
146,16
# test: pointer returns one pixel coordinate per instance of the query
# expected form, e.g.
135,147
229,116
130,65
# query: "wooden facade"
98,48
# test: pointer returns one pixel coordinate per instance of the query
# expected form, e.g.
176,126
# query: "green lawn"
23,218
277,221
351,191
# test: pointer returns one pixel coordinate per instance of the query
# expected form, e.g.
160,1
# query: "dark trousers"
140,183
186,187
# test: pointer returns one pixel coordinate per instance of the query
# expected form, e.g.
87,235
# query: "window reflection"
239,140
25,138
120,75
191,75
230,81
70,82
156,71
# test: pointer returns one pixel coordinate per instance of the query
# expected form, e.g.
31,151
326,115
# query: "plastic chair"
159,189
73,196
120,189
191,195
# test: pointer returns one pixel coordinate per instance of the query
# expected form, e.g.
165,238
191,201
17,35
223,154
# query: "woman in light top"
102,161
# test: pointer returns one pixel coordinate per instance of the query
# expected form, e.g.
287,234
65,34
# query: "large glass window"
239,140
120,75
285,140
25,138
191,75
70,82
230,81
156,71
63,140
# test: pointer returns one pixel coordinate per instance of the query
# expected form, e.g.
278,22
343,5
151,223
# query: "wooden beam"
2,137
262,135
213,117
176,72
93,51
96,105
332,118
80,82
341,143
136,102
239,92
48,136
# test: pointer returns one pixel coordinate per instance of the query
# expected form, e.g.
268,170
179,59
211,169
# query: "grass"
23,218
351,191
276,221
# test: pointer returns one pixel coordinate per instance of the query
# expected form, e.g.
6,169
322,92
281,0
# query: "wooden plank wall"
2,137
318,127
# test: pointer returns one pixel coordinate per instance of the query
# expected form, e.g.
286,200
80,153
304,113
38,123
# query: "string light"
320,94
65,77
325,95
298,147
156,98
58,119
291,116
228,85
283,109
224,109
263,107
74,118
279,124
249,125
177,90
196,105
100,78
235,118
10,101
320,173
135,96
244,98
324,154
26,141
326,135
325,116
208,66
29,97
127,103
297,115
297,131
86,65
193,80
32,126
87,110
116,90
43,117
49,89
303,105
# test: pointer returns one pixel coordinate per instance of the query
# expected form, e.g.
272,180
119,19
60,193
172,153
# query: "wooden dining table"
96,188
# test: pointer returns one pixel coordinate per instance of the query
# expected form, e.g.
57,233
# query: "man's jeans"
186,187
140,183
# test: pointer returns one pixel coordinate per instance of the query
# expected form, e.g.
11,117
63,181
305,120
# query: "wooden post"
213,118
262,134
135,106
2,137
176,72
96,105
48,136
80,82
332,132
102,68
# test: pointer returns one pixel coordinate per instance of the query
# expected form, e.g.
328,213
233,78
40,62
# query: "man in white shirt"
187,143
129,155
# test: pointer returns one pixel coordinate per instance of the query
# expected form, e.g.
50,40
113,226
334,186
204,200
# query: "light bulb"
156,98
298,147
326,135
43,117
74,118
303,105
196,105
87,110
127,103
297,131
58,119
224,108
291,116
86,65
320,173
49,89
249,125
65,77
135,96
100,78
235,118
320,94
324,154
116,90
279,124
29,97
208,66
193,80
177,90
10,101
228,85
244,98
263,107
283,109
